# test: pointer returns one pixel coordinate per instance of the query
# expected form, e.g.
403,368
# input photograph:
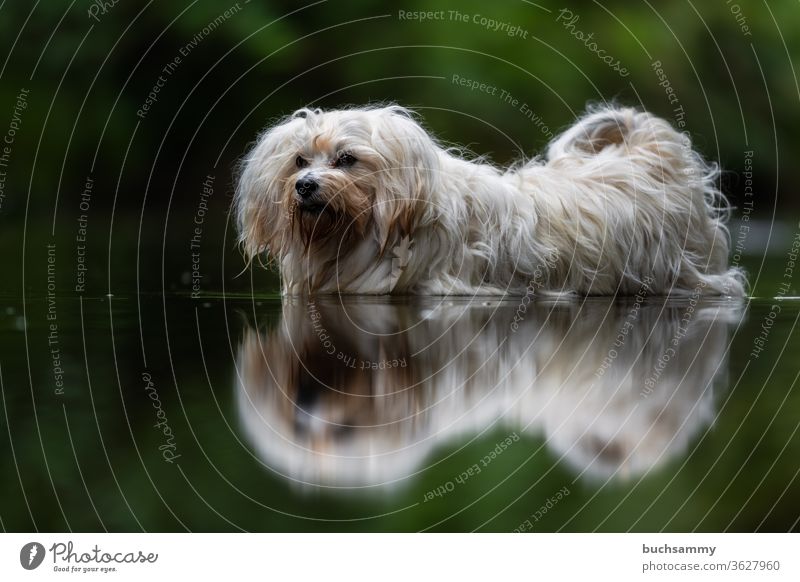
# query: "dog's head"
330,179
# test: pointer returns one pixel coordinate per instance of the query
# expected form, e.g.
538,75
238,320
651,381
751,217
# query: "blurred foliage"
89,76
87,79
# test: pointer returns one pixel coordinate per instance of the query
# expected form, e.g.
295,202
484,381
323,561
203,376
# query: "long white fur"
620,198
466,374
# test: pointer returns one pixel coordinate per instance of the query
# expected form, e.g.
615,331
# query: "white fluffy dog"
613,388
365,201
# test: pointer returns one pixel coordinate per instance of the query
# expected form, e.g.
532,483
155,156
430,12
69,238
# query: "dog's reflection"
354,393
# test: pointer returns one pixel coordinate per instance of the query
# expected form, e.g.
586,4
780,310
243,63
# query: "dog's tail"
643,156
609,130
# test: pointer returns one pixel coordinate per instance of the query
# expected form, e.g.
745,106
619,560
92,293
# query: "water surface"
376,414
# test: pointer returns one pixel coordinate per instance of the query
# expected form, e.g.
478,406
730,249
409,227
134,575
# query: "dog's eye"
344,160
300,162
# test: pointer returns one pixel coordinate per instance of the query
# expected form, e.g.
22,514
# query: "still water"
166,413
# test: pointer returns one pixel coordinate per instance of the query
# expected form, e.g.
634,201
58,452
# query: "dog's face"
330,179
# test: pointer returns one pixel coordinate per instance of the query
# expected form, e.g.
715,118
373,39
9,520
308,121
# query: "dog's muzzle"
306,187
307,199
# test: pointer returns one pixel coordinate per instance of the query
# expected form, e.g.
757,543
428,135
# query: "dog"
366,201
362,395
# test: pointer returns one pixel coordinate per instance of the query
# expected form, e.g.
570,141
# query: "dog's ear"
409,167
261,206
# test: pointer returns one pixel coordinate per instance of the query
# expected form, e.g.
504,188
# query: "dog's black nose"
306,187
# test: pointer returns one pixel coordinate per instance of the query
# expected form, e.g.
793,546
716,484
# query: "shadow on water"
357,394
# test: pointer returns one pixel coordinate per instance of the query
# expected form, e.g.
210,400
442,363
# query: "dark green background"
87,79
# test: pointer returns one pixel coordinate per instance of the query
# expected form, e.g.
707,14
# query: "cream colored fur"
619,197
608,388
